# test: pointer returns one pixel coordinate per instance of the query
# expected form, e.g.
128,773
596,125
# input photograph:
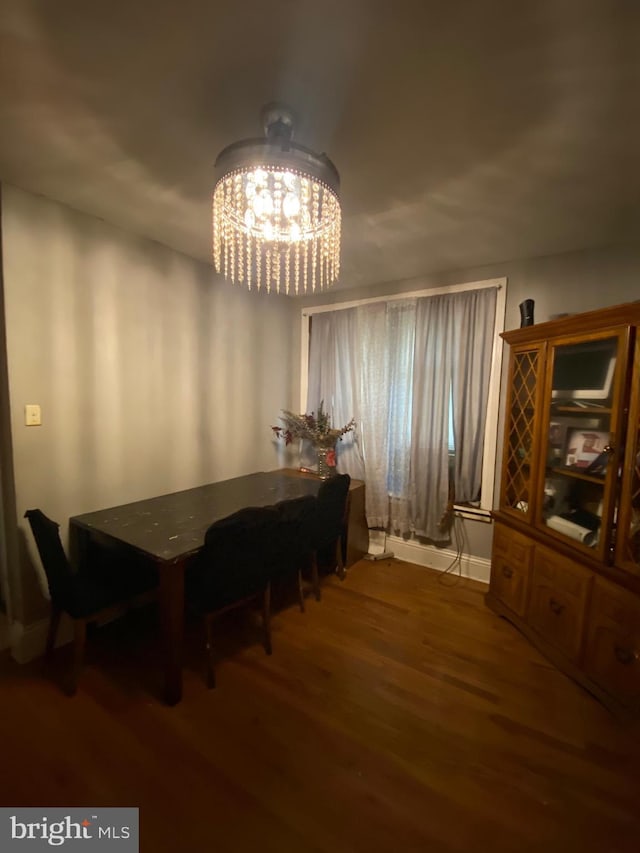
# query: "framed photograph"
556,433
586,448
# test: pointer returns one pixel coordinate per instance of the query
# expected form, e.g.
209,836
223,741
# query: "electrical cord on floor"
459,537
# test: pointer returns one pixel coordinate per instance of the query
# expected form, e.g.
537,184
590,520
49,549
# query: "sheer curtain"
429,452
334,378
400,368
373,357
401,327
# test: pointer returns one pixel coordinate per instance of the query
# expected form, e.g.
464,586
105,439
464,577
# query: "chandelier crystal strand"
280,256
327,260
305,251
237,187
287,267
275,266
249,263
227,240
335,239
297,267
314,265
268,270
241,242
315,208
228,234
232,255
216,242
258,254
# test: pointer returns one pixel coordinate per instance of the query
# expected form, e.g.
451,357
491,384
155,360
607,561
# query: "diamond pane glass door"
520,431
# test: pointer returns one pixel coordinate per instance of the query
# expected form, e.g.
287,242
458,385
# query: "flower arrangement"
315,427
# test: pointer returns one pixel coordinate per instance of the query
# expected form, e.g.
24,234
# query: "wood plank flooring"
398,714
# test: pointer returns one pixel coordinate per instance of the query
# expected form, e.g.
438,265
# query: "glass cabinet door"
519,464
576,496
628,532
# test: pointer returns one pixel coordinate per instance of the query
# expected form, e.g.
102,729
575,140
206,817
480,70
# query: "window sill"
473,513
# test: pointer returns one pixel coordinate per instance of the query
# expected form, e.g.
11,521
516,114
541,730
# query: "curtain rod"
497,283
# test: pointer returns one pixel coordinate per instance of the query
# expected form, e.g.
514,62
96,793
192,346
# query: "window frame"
489,480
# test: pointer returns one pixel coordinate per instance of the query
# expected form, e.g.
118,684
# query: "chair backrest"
54,560
331,508
243,529
298,517
237,555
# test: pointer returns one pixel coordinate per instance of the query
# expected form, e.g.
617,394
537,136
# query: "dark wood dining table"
169,530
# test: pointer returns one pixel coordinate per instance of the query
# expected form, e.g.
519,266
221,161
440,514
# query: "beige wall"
571,282
153,374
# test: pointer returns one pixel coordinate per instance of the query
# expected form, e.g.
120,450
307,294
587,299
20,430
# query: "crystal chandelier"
276,213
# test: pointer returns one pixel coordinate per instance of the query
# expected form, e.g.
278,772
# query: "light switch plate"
32,415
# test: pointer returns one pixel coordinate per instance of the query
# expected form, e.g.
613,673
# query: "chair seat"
86,595
129,574
208,591
108,578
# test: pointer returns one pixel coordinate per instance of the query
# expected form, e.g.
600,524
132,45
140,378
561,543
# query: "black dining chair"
97,591
233,569
298,520
330,523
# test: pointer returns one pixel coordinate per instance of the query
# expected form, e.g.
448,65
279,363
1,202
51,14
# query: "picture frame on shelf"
586,450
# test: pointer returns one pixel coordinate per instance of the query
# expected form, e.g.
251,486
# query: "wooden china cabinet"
566,549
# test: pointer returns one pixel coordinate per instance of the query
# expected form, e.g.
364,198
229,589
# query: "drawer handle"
556,606
625,656
507,572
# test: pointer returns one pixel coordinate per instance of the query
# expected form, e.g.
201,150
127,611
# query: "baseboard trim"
476,568
28,642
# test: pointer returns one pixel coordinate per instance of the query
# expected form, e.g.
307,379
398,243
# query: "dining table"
169,530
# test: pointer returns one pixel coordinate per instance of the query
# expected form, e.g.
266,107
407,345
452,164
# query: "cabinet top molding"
589,321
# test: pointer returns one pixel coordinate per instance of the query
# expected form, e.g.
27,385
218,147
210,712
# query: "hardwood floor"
398,714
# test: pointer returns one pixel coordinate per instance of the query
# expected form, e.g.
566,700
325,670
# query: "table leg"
172,625
79,540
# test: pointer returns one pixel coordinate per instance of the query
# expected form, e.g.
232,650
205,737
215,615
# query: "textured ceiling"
465,132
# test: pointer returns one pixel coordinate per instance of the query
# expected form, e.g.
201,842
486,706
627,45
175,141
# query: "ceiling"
466,133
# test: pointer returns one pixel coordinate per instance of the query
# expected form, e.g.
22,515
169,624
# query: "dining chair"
298,518
97,591
330,523
234,568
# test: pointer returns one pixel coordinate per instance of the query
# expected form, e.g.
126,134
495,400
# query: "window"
420,373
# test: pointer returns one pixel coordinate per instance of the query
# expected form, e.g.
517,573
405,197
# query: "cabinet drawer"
559,594
510,568
612,657
560,572
512,545
510,583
